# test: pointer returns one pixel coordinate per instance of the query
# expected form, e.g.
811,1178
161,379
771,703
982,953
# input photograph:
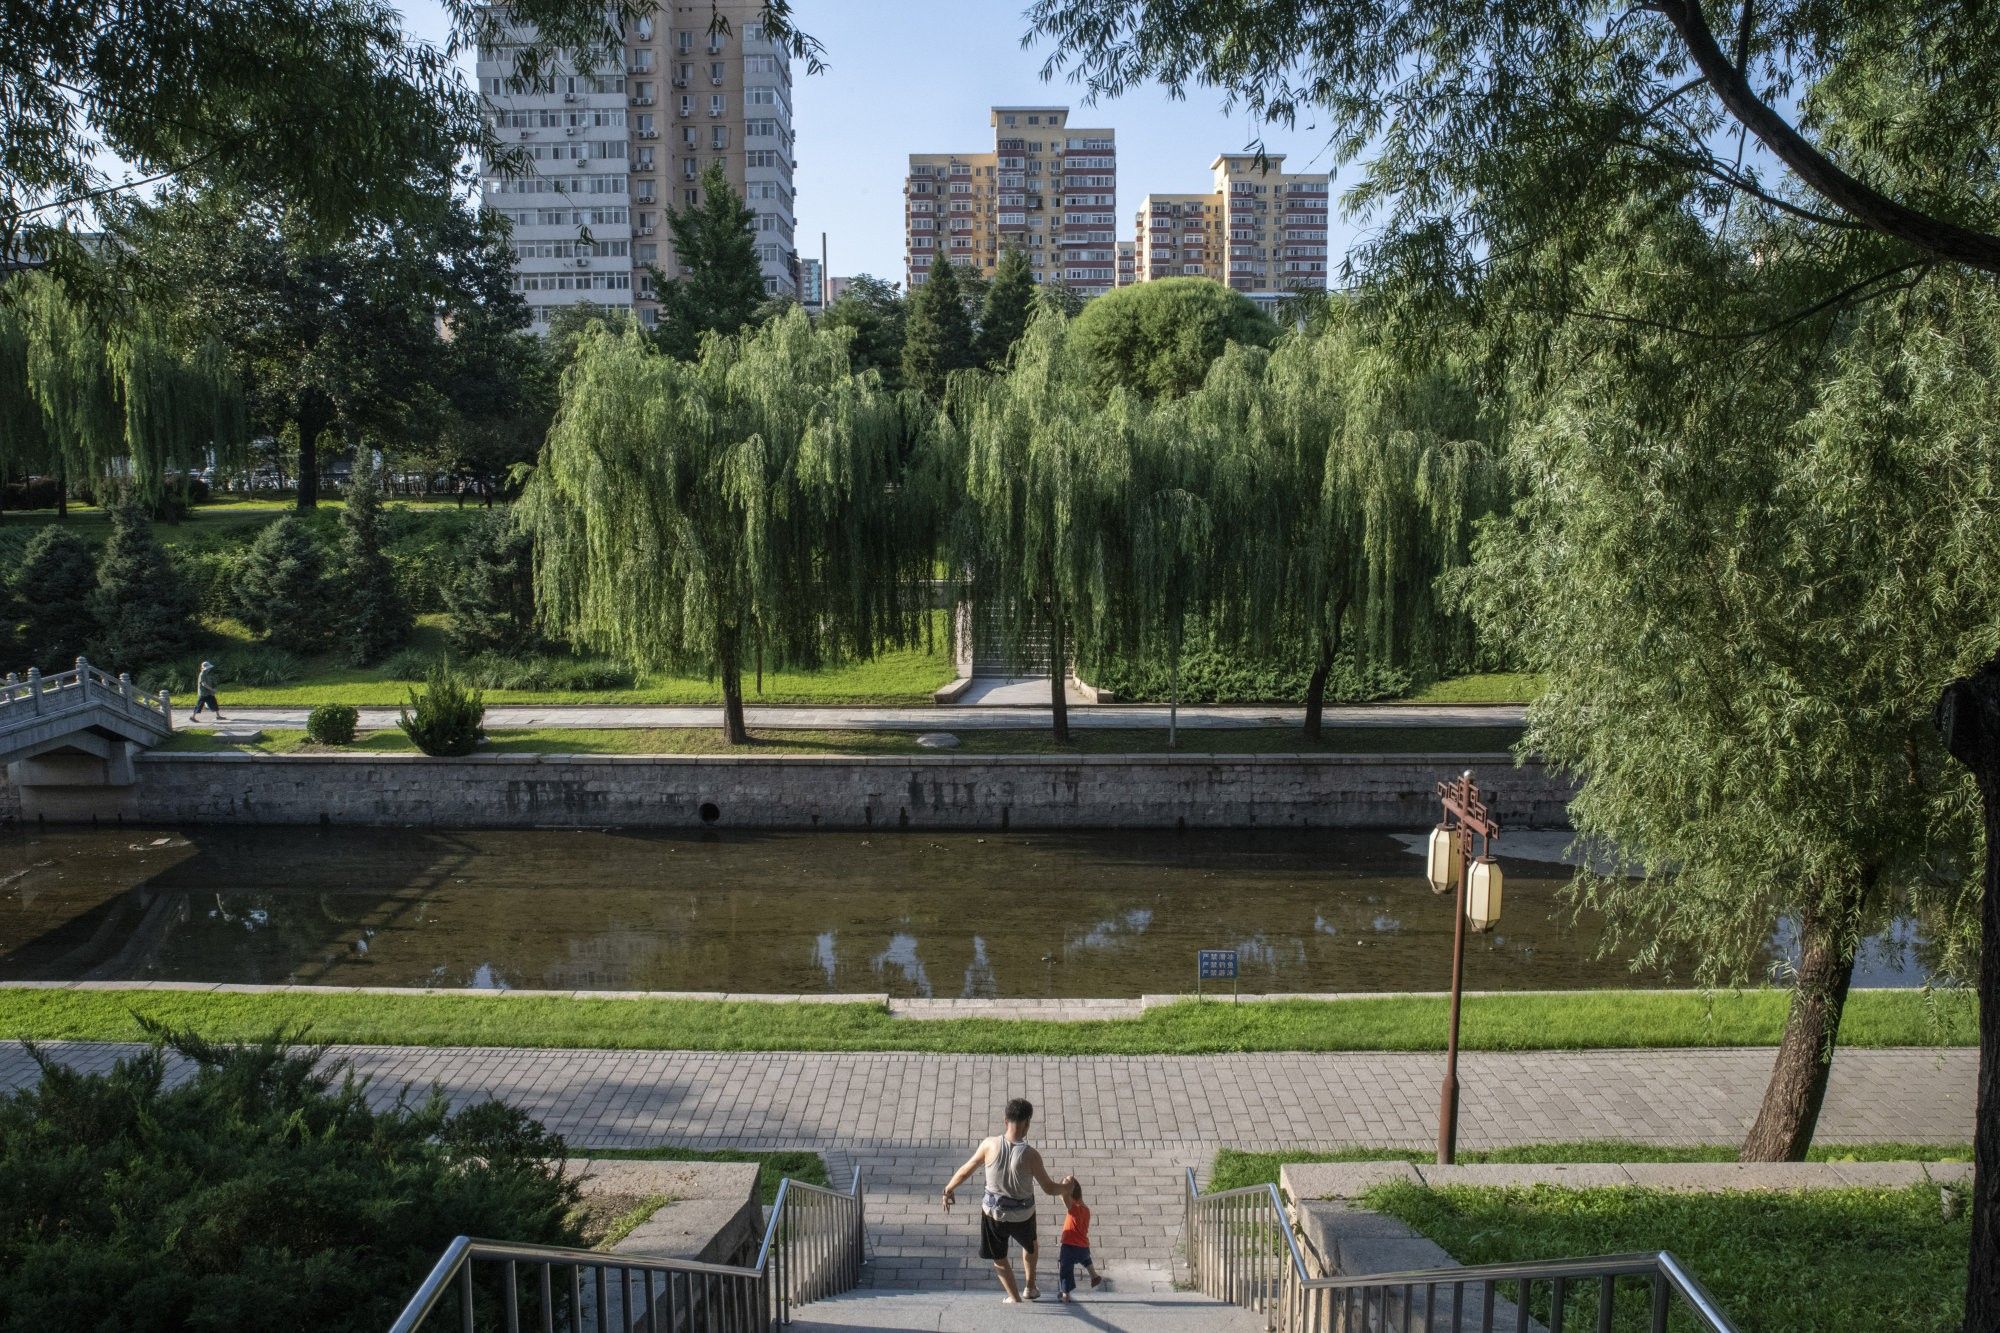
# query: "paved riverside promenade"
1128,1126
965,718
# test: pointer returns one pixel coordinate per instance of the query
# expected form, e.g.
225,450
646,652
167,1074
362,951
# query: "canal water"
914,914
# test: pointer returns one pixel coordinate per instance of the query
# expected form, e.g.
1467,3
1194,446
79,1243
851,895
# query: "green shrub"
428,549
444,717
212,575
284,593
410,664
332,724
245,666
144,614
1213,676
546,672
261,1192
57,587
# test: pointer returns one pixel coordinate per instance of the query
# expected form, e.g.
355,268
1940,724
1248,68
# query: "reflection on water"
994,915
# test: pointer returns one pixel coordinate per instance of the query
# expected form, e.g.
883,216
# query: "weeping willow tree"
1379,469
24,441
113,401
1045,528
178,408
685,513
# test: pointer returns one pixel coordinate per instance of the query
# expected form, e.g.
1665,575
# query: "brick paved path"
1130,1126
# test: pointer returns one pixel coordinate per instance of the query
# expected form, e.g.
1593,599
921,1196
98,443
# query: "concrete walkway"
1129,1127
988,717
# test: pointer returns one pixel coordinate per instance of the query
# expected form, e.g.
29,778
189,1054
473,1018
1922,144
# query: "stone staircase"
1159,1311
924,1271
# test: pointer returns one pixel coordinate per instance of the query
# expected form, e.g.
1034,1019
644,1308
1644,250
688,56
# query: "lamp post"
1446,867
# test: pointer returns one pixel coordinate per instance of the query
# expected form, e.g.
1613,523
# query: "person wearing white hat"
204,693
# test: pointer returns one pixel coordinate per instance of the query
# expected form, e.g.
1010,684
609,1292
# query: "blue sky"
910,76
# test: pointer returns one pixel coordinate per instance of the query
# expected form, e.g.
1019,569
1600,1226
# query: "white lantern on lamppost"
1482,893
1441,864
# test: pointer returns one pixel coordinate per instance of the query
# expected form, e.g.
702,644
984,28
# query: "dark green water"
958,914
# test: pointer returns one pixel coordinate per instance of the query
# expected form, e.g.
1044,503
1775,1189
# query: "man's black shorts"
993,1236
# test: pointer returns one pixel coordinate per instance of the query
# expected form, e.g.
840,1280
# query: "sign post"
1215,965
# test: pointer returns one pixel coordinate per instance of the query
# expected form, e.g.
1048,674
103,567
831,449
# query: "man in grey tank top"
1007,1208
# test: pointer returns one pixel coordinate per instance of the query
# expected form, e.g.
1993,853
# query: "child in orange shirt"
1075,1245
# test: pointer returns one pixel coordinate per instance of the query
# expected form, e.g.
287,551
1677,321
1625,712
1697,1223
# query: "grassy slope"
809,1167
1234,1170
707,740
1881,1260
1582,1020
904,677
1496,687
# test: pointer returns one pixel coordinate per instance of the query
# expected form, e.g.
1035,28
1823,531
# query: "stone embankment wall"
945,791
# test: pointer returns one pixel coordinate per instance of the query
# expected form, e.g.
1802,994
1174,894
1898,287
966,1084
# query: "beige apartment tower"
613,148
1048,187
1261,230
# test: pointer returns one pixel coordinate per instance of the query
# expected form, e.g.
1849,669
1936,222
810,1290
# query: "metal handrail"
1227,1261
789,1270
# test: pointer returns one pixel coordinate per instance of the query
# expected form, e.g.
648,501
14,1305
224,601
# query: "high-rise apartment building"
1128,263
811,286
1261,230
1048,187
611,148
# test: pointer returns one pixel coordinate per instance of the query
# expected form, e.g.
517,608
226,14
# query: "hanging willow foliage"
1046,529
124,406
1375,472
686,513
24,443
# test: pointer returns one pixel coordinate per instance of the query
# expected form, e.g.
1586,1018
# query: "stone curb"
1307,1181
929,759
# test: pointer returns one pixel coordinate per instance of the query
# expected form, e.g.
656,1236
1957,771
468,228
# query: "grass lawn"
708,740
1234,1170
1545,1021
1879,1260
809,1167
1493,687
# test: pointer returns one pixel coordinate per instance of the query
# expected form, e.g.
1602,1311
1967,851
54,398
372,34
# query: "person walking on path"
1073,1250
1007,1209
204,693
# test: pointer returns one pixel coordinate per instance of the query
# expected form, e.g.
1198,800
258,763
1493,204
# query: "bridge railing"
1241,1249
812,1249
80,687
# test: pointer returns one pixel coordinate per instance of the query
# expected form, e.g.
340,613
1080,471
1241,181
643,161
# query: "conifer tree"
145,612
285,594
377,617
938,337
1010,302
720,284
57,588
492,603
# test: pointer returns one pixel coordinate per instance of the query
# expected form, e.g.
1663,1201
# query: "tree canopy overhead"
327,110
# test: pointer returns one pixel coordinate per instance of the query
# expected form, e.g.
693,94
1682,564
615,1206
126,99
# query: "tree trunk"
314,415
1058,670
1316,688
1968,716
62,491
1792,1099
733,729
